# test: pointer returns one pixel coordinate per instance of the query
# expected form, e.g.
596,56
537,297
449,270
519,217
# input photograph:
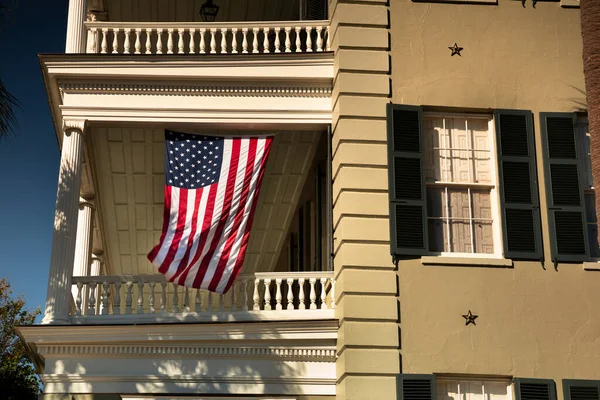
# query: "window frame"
495,201
477,379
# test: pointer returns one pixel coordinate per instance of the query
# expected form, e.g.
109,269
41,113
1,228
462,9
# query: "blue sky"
29,161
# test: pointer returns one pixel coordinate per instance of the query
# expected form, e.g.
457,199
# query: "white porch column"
83,244
76,35
58,300
96,266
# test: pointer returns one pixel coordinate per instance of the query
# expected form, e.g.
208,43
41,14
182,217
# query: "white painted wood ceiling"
129,165
188,10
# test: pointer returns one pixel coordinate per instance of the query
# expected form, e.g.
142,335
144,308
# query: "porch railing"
207,38
136,295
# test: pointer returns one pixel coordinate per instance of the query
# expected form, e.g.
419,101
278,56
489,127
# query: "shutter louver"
518,185
566,207
535,389
416,387
408,209
315,10
581,390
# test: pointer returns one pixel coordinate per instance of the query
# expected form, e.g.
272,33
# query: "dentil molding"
224,90
314,354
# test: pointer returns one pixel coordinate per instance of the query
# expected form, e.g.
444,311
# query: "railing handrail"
158,278
196,25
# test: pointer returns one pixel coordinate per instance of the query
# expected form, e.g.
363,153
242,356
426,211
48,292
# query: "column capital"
98,256
87,202
74,124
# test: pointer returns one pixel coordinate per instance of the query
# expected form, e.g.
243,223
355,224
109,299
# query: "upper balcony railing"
208,38
150,298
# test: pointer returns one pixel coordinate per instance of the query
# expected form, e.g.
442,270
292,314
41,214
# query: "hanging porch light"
209,11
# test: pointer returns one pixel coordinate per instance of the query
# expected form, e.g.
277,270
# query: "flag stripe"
192,235
244,188
166,217
239,260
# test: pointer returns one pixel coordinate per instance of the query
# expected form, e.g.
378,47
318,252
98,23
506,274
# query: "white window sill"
591,265
468,261
569,3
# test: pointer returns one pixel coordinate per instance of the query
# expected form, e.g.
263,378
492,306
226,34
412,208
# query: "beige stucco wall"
534,320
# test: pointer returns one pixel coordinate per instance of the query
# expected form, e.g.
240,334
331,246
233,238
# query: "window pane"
473,390
447,390
458,150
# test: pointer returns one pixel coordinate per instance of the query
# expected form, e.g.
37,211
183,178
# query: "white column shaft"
58,300
76,34
83,244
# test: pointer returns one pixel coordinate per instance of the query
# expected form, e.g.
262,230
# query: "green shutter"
407,195
564,189
415,387
519,199
581,390
534,389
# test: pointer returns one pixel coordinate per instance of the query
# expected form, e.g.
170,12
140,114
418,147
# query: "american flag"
211,191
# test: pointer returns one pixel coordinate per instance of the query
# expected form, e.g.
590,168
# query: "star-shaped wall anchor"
470,318
456,49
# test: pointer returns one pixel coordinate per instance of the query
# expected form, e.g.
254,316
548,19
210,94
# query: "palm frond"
8,118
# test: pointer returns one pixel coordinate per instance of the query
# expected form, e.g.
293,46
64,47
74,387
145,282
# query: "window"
453,389
460,175
462,184
583,140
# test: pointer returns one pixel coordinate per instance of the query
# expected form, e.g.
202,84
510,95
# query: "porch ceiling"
188,10
129,165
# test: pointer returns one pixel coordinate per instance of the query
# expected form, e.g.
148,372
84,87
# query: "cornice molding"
314,354
197,90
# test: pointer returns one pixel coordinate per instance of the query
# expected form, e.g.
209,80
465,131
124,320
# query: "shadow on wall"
229,362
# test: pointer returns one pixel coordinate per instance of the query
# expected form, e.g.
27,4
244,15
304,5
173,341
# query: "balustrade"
262,292
207,38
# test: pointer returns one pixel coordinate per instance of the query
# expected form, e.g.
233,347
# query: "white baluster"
266,31
186,300
151,308
115,44
140,301
234,42
209,306
278,306
255,40
93,41
198,305
138,42
175,298
224,41
319,38
233,299
106,286
213,40
92,299
298,42
332,292
90,41
117,301
290,294
159,43
244,295
301,305
127,44
221,303
202,42
148,45
180,42
78,298
288,43
244,40
256,297
277,42
313,294
309,39
170,41
104,45
163,297
193,41
267,294
128,297
323,282
328,48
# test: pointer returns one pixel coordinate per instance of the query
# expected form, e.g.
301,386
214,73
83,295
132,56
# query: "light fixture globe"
209,11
